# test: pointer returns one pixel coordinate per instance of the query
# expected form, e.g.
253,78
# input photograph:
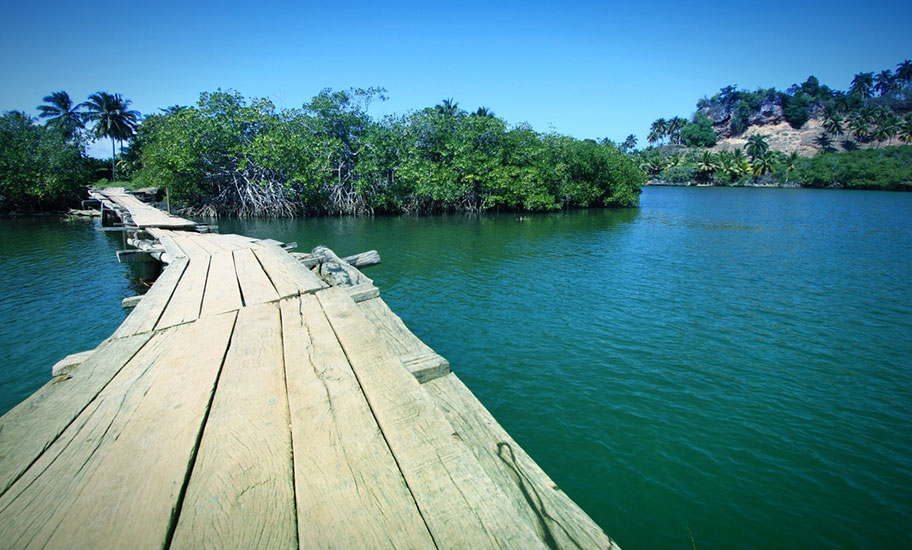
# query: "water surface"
728,364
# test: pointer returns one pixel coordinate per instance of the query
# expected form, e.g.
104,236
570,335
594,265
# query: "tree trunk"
113,156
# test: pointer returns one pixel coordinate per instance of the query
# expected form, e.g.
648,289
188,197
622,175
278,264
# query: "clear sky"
586,69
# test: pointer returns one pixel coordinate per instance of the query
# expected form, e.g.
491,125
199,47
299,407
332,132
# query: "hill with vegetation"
772,137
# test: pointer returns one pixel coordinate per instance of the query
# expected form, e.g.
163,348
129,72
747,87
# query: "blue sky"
586,69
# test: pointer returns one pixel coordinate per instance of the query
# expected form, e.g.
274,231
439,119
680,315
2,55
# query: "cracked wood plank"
186,303
350,492
222,290
145,315
113,477
33,425
241,492
462,507
256,288
557,520
288,275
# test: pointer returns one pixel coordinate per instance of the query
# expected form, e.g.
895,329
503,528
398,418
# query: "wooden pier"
259,399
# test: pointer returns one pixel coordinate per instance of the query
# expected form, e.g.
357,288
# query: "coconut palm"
886,131
905,129
859,125
61,114
863,84
756,145
630,143
657,131
111,117
884,82
675,125
833,125
790,162
707,163
483,112
904,71
763,163
448,107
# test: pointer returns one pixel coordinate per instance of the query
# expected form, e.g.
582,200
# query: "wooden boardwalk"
251,402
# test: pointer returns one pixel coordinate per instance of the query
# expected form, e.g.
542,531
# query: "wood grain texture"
558,521
350,492
289,277
422,361
222,290
241,492
144,316
189,244
460,504
113,478
30,427
187,300
256,288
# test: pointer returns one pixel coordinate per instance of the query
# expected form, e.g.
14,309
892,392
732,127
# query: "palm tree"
658,130
833,125
859,125
448,107
904,71
763,163
905,129
884,82
862,84
791,162
483,112
674,127
756,145
630,143
62,114
886,131
112,118
707,163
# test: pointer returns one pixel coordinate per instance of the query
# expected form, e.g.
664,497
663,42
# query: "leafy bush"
229,155
796,109
887,168
699,133
39,168
686,172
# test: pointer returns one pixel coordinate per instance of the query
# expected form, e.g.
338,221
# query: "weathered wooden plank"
557,520
113,478
241,492
222,290
211,242
238,242
350,492
256,287
460,504
422,361
30,427
145,315
186,303
287,274
189,245
70,362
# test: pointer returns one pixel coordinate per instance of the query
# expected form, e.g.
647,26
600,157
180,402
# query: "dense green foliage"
230,155
887,168
40,169
795,109
699,133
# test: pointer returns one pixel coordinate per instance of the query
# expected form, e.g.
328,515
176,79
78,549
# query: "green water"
731,363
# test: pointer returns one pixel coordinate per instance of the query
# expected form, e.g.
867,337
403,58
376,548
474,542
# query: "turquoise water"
732,365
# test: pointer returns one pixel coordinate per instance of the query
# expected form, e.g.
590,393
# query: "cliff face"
769,113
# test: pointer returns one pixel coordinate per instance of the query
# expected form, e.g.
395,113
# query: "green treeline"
232,156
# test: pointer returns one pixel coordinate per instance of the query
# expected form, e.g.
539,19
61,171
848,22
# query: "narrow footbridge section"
259,399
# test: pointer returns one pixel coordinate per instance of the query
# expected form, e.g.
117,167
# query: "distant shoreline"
658,182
